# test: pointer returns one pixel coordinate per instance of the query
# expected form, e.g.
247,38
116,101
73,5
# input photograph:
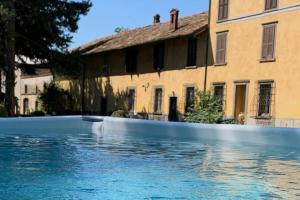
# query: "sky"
106,15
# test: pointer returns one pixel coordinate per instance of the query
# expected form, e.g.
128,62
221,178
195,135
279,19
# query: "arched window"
25,106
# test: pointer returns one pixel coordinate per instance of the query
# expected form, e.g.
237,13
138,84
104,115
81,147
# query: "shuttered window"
189,98
131,100
219,94
192,52
131,60
265,100
223,9
159,56
221,48
104,64
268,43
158,101
271,4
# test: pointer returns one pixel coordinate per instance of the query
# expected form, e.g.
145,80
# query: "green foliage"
121,29
38,113
207,109
39,30
120,113
55,100
3,112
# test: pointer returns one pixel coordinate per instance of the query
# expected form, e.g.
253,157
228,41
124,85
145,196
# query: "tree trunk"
9,63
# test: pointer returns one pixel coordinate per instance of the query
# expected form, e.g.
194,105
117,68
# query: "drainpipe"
207,47
83,90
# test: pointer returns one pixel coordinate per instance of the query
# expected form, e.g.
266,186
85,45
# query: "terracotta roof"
36,72
156,32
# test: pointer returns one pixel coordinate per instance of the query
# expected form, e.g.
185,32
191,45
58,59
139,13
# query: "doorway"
173,109
240,100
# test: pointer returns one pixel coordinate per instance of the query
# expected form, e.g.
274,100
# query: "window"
223,9
131,60
25,106
219,93
105,64
271,4
131,100
25,89
189,98
221,48
36,89
158,101
192,52
159,56
36,105
268,43
264,100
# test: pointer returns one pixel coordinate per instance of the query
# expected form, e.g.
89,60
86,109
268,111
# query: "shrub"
38,113
3,112
120,113
54,99
207,109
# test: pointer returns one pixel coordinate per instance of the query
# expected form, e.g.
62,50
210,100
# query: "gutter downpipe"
83,90
207,48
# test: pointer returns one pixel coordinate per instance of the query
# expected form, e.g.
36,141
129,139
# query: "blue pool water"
86,166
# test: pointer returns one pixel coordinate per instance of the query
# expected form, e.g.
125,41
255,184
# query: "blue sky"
106,15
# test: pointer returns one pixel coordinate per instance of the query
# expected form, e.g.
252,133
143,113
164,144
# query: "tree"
55,100
121,29
207,109
39,30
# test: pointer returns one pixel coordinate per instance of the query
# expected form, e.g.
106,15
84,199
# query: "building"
255,69
246,55
28,86
153,71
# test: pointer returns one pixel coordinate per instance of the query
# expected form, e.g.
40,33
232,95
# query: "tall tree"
39,30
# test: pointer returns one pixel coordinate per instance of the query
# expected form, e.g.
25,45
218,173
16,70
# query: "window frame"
25,89
186,107
134,99
131,60
223,85
192,51
222,18
159,56
219,34
258,113
270,8
273,57
104,64
155,107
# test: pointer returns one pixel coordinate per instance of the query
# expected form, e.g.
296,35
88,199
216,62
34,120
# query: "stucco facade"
27,90
254,90
243,65
173,79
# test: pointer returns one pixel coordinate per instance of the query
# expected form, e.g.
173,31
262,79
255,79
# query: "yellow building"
244,52
152,71
255,45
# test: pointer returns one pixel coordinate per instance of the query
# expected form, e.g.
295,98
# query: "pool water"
86,166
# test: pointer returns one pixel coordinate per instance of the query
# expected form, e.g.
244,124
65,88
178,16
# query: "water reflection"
95,166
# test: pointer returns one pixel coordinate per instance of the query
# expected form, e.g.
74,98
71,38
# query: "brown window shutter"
265,43
271,4
223,9
221,48
268,3
268,45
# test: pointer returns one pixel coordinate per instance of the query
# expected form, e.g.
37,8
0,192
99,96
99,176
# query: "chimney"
174,14
156,19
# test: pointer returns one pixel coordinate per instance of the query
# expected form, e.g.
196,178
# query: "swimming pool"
72,158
